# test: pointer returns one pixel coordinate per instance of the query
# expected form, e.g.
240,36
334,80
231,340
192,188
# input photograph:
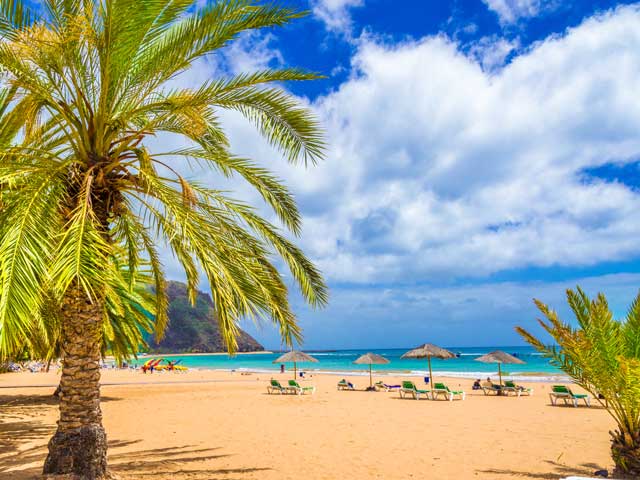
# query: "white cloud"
443,168
510,11
438,169
491,52
461,315
336,14
252,51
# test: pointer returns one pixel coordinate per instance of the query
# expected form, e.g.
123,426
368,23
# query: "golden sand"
207,425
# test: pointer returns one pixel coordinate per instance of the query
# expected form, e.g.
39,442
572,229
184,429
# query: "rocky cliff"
195,329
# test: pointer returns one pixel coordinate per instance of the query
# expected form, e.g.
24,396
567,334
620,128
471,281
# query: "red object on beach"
150,364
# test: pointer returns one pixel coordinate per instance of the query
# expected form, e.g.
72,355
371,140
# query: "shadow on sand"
21,425
180,462
557,471
24,434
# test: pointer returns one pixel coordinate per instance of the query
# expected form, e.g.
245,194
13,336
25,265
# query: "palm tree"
127,317
602,355
127,320
93,80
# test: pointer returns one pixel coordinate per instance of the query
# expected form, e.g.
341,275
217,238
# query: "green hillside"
195,329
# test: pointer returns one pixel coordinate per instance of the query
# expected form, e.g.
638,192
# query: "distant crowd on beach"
155,365
30,366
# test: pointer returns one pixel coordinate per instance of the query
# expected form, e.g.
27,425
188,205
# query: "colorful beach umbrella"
371,359
295,356
427,351
499,357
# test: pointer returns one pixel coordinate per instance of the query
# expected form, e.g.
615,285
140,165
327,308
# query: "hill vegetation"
195,329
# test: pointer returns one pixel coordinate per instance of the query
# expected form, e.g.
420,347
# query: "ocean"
340,362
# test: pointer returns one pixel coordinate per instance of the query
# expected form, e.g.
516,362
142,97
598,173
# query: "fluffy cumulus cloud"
439,169
442,168
336,14
492,51
510,11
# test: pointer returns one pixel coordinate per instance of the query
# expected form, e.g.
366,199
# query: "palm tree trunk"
625,450
79,446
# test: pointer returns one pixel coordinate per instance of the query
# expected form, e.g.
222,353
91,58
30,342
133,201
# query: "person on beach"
492,385
476,385
282,368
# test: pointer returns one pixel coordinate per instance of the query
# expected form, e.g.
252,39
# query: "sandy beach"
207,425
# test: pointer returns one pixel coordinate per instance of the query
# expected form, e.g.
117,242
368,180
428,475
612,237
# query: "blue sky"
481,153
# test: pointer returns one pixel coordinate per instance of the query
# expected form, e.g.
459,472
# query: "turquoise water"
341,362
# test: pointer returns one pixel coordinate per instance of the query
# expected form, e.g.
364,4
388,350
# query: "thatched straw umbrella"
371,359
295,356
427,351
498,357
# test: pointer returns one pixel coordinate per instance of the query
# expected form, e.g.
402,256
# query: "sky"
480,153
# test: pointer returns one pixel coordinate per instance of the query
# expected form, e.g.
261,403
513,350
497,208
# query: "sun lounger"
409,388
511,387
564,393
489,388
385,387
298,390
442,389
276,387
344,385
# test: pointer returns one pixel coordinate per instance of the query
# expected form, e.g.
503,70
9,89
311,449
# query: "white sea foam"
331,354
516,376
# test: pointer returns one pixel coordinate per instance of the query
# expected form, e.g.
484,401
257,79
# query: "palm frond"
86,200
26,240
15,16
601,355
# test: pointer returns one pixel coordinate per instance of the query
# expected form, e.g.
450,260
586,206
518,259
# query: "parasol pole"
295,370
430,372
500,373
370,377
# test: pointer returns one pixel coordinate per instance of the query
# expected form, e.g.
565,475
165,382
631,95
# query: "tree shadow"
581,406
180,462
16,461
559,470
13,434
17,407
15,402
21,423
